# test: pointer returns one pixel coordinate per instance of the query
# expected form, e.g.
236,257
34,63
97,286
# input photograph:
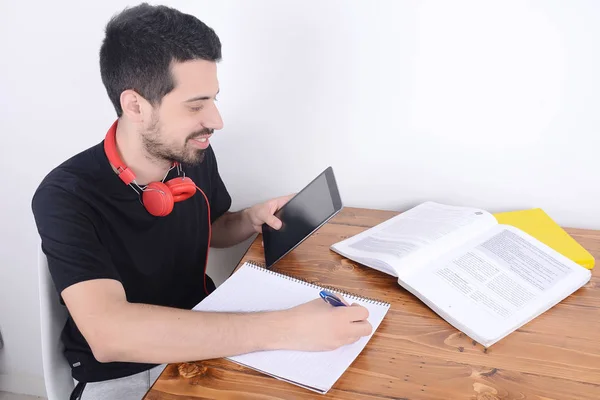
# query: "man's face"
181,126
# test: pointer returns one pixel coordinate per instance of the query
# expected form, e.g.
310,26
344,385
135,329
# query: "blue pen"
331,298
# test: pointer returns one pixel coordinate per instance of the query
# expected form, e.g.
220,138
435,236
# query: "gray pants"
132,387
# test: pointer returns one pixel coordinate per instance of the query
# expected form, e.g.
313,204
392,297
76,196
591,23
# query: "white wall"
489,104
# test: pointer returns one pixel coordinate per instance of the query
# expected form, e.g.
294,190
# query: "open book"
253,288
484,278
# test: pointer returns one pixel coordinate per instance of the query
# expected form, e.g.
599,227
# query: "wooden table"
414,354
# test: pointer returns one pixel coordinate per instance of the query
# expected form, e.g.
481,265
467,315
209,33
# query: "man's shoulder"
70,176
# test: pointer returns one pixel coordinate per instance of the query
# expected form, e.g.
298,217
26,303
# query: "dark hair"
141,43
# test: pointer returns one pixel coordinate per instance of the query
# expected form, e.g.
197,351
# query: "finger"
281,201
273,221
352,339
358,312
362,328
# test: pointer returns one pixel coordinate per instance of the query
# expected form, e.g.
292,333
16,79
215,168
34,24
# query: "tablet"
301,216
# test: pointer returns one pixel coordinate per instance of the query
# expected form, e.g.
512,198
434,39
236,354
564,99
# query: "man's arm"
232,228
117,330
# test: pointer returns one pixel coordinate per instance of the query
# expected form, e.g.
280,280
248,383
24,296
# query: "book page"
253,289
496,283
415,237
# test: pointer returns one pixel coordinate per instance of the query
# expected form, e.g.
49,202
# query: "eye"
196,109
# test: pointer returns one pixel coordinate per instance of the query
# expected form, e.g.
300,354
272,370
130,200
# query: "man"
127,237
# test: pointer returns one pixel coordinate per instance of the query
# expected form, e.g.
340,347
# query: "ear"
134,106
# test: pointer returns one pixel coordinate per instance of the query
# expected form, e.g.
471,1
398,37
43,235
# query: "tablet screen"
301,216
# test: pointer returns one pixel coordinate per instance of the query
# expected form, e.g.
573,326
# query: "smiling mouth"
201,141
201,138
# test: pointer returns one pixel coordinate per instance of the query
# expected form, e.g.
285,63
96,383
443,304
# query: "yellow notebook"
539,225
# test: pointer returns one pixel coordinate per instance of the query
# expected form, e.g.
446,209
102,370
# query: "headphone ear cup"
158,199
181,188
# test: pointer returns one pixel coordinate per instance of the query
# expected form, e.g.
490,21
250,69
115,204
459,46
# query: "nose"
212,118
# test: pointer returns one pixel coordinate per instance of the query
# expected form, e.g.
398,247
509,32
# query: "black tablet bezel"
337,207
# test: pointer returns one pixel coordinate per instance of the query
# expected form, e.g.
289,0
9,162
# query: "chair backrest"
57,371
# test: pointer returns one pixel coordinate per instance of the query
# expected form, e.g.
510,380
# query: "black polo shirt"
93,226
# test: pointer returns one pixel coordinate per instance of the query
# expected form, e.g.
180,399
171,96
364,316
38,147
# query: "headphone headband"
110,148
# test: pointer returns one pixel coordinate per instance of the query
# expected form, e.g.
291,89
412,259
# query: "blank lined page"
254,288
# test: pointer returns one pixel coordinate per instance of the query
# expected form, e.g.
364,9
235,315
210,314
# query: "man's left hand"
262,213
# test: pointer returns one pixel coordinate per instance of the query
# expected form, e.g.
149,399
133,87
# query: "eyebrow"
201,97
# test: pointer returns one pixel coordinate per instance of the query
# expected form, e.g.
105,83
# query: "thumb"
273,222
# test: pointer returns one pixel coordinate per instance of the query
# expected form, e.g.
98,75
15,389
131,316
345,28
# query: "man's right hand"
319,326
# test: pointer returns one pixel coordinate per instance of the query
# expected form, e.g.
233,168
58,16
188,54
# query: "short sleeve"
69,239
220,200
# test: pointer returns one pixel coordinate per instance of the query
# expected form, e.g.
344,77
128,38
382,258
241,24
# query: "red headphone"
157,197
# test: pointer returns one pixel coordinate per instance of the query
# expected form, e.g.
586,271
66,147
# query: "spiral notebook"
255,288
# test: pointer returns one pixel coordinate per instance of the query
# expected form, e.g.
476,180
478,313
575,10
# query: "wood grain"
415,354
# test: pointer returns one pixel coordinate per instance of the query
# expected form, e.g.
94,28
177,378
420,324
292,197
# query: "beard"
157,149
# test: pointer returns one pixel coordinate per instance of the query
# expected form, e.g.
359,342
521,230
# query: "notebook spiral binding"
352,296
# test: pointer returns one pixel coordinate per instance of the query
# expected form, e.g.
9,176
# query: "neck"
131,150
